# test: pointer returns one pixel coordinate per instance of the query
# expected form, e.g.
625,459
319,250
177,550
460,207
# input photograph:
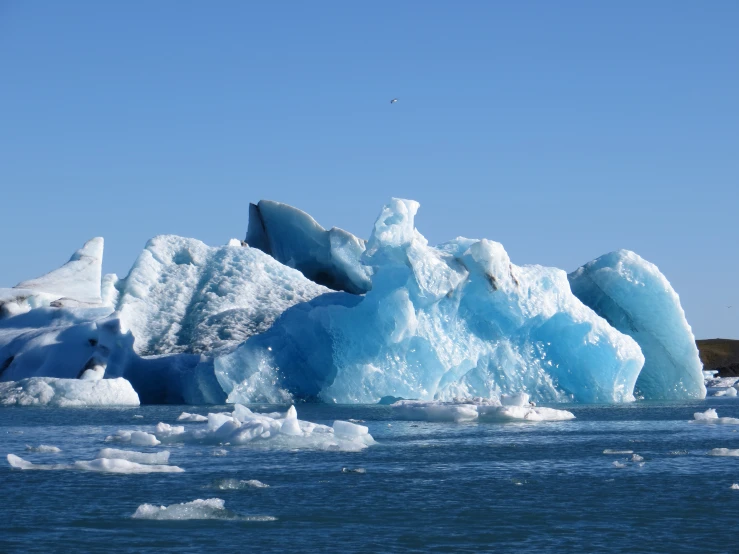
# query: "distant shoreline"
721,355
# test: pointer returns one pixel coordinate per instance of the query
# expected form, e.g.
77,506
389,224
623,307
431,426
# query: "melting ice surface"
309,313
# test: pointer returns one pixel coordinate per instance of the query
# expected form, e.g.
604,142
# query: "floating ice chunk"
727,392
67,393
211,508
637,458
734,487
242,426
133,456
710,416
634,297
724,452
610,451
236,484
220,452
19,463
136,438
353,470
192,418
618,465
477,408
116,465
138,416
43,449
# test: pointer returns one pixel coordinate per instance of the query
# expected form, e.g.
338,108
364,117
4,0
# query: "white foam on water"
637,458
618,465
239,484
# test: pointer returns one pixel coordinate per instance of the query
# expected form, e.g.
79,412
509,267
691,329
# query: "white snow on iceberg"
67,393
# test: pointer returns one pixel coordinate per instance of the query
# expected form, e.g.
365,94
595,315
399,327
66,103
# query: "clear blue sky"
564,130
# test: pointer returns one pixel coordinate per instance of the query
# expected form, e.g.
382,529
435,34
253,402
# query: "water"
431,487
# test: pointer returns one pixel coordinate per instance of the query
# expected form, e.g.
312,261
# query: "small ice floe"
43,449
637,458
353,470
273,430
211,508
220,452
727,393
101,464
734,487
679,452
618,465
138,416
724,452
238,484
355,420
507,408
133,456
609,451
135,438
192,418
710,416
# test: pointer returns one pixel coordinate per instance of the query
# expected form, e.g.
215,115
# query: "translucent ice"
458,320
67,393
634,297
294,238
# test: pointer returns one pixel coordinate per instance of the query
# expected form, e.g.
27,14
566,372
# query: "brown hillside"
720,354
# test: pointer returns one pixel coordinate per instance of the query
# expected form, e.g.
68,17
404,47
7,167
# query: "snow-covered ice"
67,393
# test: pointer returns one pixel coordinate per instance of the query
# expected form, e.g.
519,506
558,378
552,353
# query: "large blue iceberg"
254,321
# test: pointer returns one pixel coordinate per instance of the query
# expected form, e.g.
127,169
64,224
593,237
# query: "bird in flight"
393,101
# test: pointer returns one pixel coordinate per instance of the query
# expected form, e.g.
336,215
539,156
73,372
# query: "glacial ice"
192,418
274,431
474,410
43,449
724,452
294,238
155,458
210,508
67,393
635,298
711,416
197,324
458,320
136,438
101,465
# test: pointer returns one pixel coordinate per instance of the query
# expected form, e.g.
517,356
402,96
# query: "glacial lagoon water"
427,487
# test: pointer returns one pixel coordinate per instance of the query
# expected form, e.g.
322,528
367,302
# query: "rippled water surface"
443,487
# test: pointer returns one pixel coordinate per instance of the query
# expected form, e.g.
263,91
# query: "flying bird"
393,101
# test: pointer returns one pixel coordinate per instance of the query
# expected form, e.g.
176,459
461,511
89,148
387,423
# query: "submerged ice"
254,321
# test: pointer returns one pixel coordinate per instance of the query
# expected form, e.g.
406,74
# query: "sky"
564,130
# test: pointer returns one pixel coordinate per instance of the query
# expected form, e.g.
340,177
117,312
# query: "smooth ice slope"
634,297
76,282
67,393
291,236
183,296
458,320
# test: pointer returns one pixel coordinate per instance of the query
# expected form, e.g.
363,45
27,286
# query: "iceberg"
298,312
291,236
454,321
67,393
635,298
